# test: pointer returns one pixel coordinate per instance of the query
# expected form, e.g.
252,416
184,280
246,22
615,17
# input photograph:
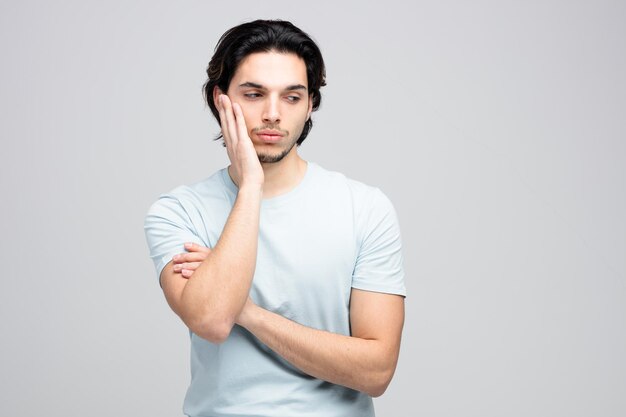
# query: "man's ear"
216,97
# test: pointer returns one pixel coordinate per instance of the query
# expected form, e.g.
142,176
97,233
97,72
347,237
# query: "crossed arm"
364,361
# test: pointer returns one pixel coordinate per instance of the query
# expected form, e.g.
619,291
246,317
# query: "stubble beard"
270,158
273,158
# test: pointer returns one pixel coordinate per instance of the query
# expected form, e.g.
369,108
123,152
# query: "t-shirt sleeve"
379,259
167,227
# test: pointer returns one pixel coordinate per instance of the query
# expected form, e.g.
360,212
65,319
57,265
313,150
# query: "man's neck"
282,177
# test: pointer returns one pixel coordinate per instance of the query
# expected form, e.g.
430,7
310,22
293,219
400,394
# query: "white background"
497,128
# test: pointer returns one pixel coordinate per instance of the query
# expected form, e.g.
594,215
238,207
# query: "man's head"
262,49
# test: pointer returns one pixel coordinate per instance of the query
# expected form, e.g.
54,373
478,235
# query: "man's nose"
271,113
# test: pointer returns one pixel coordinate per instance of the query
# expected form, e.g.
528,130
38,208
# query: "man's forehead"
270,70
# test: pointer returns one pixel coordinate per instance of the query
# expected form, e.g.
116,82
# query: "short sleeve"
379,259
167,227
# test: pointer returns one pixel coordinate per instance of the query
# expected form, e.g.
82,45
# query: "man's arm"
210,300
365,361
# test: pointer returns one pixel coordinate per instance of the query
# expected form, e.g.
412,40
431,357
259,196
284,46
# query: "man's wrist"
249,315
252,190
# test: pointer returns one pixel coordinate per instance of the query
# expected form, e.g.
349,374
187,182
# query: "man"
297,308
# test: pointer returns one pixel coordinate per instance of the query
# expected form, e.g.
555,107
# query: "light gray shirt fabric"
326,236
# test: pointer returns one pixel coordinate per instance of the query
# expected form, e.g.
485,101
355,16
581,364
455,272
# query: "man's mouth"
268,135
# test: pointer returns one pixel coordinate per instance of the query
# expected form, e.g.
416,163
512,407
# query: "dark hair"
264,36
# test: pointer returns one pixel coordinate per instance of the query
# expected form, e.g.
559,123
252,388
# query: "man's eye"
252,95
293,99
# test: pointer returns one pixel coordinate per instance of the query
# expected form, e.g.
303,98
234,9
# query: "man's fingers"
195,253
231,125
194,247
223,123
192,266
189,257
242,130
186,266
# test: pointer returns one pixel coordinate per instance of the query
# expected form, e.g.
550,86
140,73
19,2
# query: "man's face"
272,90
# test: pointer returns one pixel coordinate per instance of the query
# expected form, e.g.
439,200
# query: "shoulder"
337,179
364,197
195,196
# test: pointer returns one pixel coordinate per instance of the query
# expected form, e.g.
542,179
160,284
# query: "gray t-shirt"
326,236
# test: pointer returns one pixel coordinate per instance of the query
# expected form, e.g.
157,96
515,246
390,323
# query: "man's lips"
270,135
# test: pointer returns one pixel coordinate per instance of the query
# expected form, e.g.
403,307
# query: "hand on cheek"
245,166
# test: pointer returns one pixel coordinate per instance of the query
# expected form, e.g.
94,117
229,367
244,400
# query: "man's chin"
265,158
270,158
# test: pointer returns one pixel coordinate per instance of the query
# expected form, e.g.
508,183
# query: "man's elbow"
215,331
379,382
378,389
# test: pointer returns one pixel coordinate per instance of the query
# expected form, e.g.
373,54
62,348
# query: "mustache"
272,126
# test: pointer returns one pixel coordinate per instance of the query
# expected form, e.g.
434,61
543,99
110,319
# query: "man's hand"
187,262
245,167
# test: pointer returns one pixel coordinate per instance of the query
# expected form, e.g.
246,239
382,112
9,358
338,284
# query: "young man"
297,308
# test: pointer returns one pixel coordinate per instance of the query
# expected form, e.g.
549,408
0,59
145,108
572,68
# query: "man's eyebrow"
294,87
251,85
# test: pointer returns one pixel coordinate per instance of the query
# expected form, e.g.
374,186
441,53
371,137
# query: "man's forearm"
365,365
215,294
